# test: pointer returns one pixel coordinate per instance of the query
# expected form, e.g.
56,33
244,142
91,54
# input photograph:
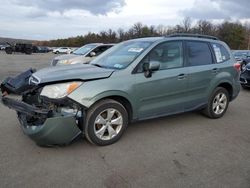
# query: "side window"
198,53
221,53
169,54
100,49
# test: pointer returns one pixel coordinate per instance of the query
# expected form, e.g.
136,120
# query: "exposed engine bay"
37,113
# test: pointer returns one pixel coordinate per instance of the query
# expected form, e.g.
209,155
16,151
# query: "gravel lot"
187,150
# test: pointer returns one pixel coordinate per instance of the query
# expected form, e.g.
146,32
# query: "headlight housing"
67,62
58,91
64,62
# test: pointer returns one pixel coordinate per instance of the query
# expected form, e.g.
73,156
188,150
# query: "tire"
8,51
105,133
28,51
221,107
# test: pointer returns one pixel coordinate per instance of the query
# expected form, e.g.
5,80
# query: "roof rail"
192,35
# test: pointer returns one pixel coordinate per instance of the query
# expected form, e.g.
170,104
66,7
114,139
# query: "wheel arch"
125,102
121,98
228,86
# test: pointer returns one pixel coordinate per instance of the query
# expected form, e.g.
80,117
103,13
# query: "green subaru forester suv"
134,80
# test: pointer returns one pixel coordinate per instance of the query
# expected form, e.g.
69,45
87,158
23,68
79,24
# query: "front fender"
88,102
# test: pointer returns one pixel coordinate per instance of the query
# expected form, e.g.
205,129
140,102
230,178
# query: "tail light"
237,66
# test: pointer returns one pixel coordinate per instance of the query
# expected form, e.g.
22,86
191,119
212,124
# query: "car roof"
148,39
180,36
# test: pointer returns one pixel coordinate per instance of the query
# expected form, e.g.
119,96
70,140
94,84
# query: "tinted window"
198,53
101,49
221,53
169,54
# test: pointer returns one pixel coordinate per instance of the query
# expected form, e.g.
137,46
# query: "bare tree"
138,29
186,24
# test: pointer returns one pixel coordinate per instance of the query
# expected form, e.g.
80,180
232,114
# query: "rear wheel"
217,104
105,123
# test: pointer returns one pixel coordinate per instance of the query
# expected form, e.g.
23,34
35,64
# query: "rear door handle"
182,76
215,70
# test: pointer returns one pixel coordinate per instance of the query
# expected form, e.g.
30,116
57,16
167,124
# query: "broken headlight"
57,91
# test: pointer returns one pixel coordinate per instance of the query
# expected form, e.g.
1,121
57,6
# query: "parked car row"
241,54
134,80
26,48
62,50
41,49
243,57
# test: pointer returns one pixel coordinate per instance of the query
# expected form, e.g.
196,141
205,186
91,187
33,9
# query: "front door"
165,91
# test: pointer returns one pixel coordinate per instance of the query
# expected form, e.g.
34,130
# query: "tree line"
235,34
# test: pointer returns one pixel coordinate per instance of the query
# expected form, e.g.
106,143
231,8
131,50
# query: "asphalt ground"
187,150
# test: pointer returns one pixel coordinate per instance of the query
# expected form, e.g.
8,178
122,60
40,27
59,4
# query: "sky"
52,19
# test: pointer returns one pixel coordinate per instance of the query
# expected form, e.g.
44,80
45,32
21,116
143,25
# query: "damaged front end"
47,121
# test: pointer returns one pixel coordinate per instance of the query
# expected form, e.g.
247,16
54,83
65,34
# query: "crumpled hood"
71,72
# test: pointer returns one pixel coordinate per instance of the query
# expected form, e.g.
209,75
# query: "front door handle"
182,76
215,70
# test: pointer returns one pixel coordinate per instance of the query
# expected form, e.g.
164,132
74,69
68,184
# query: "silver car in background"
83,54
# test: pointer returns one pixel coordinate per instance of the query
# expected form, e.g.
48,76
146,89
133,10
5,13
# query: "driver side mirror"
150,67
92,54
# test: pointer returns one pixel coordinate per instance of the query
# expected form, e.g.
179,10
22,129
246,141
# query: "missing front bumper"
54,131
50,128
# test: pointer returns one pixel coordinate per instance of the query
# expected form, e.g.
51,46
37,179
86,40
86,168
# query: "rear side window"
221,53
198,53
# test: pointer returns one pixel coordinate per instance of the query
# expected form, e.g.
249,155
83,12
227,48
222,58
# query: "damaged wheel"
106,121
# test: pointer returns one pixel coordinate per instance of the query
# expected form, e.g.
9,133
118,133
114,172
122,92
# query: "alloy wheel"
108,124
219,103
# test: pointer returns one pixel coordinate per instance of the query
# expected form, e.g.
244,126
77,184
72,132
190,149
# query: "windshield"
121,55
84,49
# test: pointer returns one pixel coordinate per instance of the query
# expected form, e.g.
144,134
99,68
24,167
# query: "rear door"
202,69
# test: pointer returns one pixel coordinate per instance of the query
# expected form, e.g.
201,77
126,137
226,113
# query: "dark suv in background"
134,80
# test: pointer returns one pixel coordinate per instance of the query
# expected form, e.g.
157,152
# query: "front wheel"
105,122
217,104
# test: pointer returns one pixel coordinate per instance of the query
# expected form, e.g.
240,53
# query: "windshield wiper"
97,65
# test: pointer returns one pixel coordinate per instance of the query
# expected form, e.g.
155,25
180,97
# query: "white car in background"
62,50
